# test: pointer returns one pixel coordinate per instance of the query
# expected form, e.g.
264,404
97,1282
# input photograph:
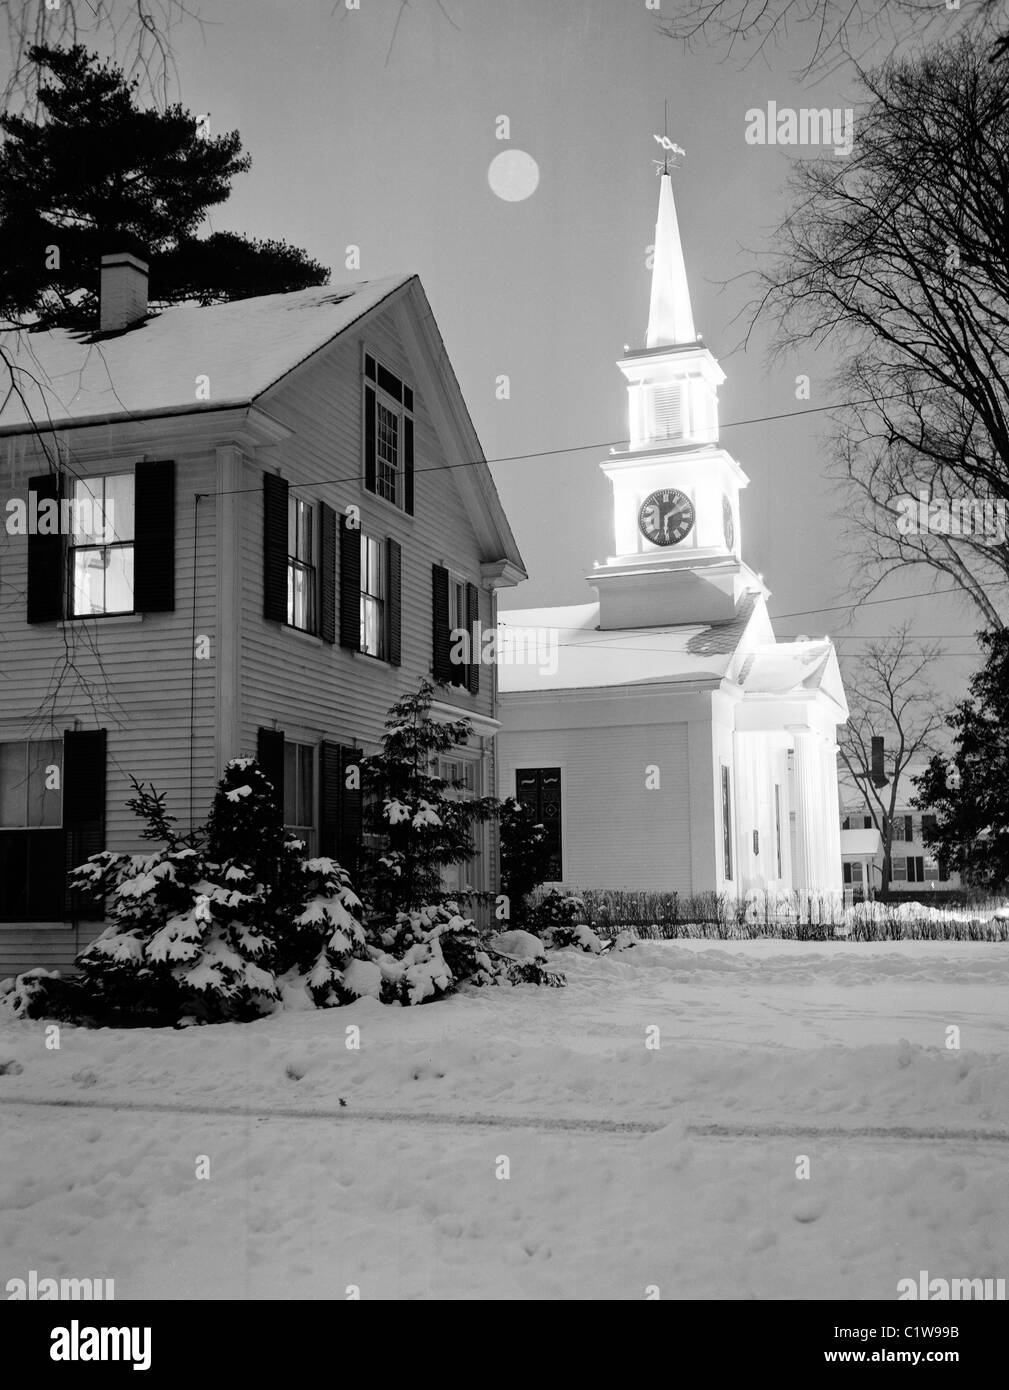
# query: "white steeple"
675,489
670,321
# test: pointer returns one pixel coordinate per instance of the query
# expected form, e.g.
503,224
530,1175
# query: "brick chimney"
123,293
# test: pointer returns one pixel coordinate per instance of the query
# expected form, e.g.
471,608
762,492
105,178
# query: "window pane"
119,579
306,781
120,508
45,804
290,784
88,512
900,870
87,582
371,625
13,772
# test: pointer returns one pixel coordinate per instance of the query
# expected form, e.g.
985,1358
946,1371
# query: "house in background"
914,870
299,515
673,743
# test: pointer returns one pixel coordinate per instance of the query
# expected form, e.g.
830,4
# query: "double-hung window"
32,847
299,791
100,551
301,569
389,429
373,597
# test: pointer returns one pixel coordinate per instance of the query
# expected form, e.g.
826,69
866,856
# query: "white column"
807,814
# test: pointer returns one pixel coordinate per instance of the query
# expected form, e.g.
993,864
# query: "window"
726,824
898,870
31,796
853,874
100,552
931,867
903,829
457,605
373,625
32,846
299,791
665,411
867,822
301,580
929,825
777,824
539,788
389,425
846,823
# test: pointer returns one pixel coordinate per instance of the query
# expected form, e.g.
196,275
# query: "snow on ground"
779,1044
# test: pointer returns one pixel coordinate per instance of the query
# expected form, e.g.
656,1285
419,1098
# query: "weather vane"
672,151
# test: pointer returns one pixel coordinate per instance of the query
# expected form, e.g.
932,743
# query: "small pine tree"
421,826
525,855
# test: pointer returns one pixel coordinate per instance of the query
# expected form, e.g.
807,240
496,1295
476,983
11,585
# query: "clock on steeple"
675,489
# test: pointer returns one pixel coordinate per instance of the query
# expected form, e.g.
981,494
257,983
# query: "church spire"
670,321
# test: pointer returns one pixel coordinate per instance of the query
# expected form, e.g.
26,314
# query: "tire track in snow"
713,1130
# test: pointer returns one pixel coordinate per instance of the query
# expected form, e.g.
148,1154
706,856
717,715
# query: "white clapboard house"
670,742
227,604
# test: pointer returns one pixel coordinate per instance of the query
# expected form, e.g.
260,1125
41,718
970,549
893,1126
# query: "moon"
513,175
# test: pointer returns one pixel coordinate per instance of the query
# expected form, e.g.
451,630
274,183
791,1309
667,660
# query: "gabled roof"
244,347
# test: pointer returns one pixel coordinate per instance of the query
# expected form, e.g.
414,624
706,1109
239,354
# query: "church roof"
586,656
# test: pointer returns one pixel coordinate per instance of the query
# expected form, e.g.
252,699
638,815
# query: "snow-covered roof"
243,347
535,640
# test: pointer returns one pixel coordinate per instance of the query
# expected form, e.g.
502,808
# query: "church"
672,743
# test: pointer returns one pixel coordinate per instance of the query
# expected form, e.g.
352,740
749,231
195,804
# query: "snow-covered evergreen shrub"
205,925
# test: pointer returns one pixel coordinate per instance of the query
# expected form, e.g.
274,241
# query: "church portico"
689,750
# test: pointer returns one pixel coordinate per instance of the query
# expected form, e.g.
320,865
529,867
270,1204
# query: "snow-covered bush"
206,925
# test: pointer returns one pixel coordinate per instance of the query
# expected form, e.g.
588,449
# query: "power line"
571,448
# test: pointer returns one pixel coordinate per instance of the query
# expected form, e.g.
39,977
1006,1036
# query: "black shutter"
350,586
408,465
441,660
84,759
270,756
369,438
330,785
45,559
472,619
275,492
154,550
327,583
393,602
351,812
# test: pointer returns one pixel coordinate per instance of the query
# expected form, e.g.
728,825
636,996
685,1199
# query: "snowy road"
529,1143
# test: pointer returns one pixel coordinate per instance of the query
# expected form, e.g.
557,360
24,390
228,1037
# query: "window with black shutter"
32,873
270,756
394,602
327,565
473,628
275,521
350,585
154,549
388,435
84,763
441,660
539,788
340,804
45,558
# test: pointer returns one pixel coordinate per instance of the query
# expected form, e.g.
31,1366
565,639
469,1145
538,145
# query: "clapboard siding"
300,681
131,675
605,802
52,948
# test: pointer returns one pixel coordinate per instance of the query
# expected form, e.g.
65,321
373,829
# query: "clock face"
728,524
666,517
